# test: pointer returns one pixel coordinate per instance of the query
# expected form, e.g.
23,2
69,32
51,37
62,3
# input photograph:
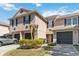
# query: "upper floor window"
75,20
71,21
68,21
12,22
27,19
50,23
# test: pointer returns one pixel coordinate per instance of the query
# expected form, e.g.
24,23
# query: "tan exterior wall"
59,22
41,32
24,12
20,26
3,30
75,37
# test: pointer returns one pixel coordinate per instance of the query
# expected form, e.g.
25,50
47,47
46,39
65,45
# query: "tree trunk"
31,33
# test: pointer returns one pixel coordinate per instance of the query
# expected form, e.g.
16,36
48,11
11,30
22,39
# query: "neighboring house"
4,28
65,29
27,24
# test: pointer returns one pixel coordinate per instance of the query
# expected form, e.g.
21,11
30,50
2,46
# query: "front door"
17,36
27,35
49,38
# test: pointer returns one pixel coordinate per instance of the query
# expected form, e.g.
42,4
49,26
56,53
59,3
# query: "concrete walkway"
64,50
7,48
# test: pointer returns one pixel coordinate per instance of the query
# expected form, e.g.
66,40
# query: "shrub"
47,48
40,40
22,41
27,43
51,44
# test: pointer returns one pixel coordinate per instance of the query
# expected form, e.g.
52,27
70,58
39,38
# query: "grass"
26,52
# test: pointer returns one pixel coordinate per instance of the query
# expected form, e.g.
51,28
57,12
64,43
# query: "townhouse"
27,24
65,29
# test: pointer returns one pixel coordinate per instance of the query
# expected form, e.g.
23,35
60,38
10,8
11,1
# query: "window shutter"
29,18
52,23
16,22
65,22
78,20
12,22
24,20
47,24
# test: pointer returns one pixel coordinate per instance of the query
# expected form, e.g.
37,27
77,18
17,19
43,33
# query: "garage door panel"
64,37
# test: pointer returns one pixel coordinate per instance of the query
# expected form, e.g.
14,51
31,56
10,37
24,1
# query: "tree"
33,28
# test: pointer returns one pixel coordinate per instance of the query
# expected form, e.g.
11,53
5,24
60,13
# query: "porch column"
54,38
20,35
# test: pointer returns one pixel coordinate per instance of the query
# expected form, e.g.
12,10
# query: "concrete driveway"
7,48
63,50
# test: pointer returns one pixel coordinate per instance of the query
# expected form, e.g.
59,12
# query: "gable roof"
55,17
68,15
23,10
28,12
51,17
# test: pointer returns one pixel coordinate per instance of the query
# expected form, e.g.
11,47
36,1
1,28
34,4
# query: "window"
74,20
71,21
50,23
27,19
68,21
12,21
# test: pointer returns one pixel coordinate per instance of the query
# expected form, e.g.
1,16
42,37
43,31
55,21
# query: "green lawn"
26,52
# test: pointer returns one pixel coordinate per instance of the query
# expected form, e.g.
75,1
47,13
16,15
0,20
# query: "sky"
46,9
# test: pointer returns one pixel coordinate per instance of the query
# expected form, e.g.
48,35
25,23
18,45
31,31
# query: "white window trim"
72,21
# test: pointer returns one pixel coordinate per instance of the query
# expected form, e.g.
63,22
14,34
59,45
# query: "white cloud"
61,11
38,4
7,6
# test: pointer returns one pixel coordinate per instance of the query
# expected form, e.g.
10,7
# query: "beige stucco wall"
20,26
75,37
41,32
59,22
3,30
